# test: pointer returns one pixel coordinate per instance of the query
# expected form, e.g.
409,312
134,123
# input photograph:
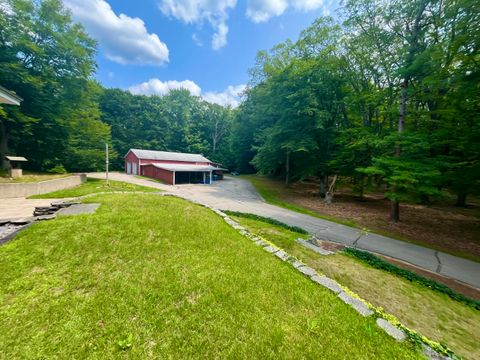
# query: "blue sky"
205,46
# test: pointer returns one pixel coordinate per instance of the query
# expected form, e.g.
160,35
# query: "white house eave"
7,97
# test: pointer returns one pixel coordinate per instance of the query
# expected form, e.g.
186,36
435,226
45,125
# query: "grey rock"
4,221
313,247
297,264
270,249
328,283
22,221
282,255
432,354
305,270
46,217
358,305
391,329
261,243
62,204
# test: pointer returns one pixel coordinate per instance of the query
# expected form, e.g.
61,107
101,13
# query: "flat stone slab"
261,243
432,354
270,249
297,264
46,217
391,329
313,247
305,270
282,255
328,283
358,305
63,204
22,221
78,209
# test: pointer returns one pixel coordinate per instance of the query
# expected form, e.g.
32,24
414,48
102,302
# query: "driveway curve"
239,195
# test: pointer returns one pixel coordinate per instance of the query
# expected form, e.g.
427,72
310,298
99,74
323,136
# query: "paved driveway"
239,195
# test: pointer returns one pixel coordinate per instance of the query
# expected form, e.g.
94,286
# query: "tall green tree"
48,60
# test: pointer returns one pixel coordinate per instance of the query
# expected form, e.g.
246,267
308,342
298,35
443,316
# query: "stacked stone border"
387,322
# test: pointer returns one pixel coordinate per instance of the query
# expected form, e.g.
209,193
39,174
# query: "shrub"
58,169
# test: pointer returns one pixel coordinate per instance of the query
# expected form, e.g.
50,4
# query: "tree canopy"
387,95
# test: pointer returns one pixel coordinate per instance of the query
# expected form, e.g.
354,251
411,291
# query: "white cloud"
199,11
229,97
307,5
263,10
161,88
123,39
197,40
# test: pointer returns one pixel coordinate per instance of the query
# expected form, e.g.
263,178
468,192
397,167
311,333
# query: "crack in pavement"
439,266
354,244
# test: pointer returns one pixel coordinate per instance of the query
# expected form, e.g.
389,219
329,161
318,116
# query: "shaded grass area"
381,264
94,186
272,195
454,231
158,277
432,314
30,176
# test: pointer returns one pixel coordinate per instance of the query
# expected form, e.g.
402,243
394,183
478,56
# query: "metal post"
106,162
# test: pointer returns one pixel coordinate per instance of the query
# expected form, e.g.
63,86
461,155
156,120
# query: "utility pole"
106,162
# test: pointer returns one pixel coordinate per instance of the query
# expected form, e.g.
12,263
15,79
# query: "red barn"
172,167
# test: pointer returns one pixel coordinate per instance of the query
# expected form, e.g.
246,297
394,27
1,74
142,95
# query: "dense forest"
386,95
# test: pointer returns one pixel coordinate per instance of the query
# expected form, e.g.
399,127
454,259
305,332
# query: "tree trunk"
323,186
3,146
394,204
287,169
461,200
394,211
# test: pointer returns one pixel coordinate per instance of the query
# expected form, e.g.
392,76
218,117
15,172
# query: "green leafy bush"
267,220
58,169
378,263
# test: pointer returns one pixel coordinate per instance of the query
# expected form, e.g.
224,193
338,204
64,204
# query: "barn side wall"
160,174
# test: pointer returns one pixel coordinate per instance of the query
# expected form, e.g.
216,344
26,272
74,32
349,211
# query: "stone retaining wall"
14,190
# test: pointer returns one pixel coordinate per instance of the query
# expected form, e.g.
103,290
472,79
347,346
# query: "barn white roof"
186,167
166,155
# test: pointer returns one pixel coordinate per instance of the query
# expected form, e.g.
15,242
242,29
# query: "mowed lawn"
431,313
158,277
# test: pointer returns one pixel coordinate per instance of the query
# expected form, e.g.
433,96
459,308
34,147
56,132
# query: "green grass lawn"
30,176
158,277
94,186
430,313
